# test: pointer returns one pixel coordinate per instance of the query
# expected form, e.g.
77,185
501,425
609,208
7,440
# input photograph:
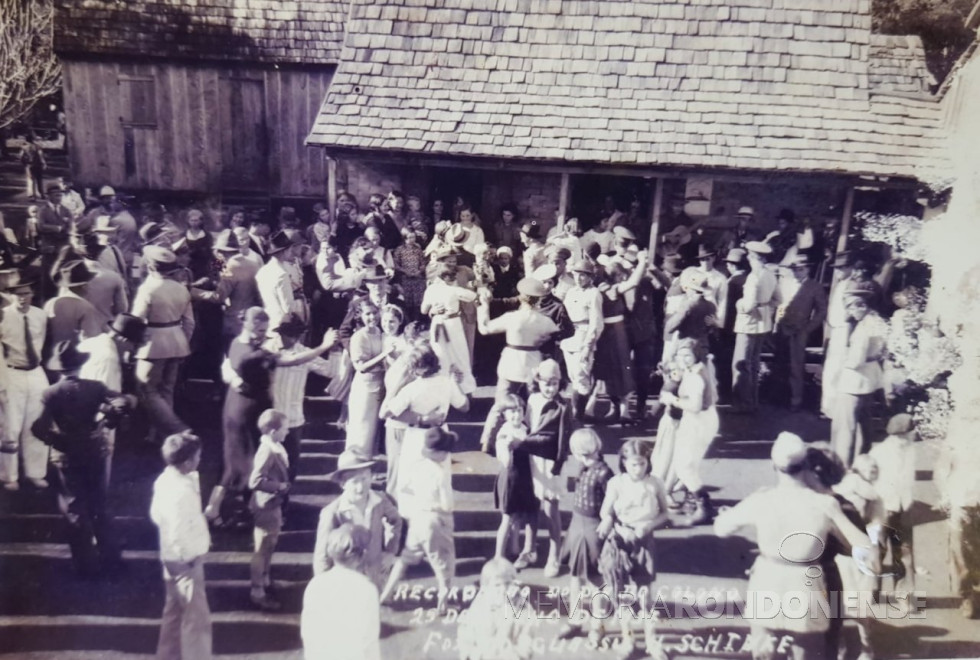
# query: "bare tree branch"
29,70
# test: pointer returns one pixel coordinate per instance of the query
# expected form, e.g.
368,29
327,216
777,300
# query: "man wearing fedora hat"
23,329
802,312
70,315
126,235
551,306
165,305
107,289
275,284
375,287
76,413
753,322
583,303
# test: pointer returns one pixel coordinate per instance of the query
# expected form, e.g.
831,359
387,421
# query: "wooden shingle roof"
898,64
748,84
273,31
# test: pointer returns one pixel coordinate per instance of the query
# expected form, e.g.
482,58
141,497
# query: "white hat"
788,450
545,272
106,191
746,210
504,249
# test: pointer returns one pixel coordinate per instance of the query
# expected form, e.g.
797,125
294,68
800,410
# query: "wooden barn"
198,98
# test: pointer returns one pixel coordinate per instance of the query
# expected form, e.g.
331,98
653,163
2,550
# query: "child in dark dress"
514,490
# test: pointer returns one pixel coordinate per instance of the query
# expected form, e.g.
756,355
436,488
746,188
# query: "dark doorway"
456,187
244,144
596,196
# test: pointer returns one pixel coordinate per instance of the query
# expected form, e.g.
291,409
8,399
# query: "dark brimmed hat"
291,326
129,327
349,462
375,274
278,242
151,233
582,266
14,281
862,290
800,261
529,286
74,273
66,356
705,251
54,187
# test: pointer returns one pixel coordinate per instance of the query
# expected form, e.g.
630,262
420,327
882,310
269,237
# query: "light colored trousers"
185,628
24,390
156,382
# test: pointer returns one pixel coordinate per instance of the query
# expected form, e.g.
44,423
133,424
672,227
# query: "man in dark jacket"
796,319
76,416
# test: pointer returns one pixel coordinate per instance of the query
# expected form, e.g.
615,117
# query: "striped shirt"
289,383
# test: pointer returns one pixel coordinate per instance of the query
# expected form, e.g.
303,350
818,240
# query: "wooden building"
210,97
559,105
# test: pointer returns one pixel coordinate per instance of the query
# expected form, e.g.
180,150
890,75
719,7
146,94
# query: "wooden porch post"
658,199
845,221
563,200
332,187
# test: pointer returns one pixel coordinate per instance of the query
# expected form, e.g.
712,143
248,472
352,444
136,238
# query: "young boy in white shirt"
185,628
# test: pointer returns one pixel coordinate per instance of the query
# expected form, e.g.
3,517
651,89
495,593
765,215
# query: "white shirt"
103,363
12,334
427,487
341,617
289,383
276,290
896,472
176,511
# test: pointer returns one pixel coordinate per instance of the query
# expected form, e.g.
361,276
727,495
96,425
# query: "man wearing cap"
276,287
742,232
22,331
378,290
551,306
76,413
70,315
558,257
803,311
689,313
852,271
527,330
861,374
644,321
126,235
54,221
583,303
235,289
165,305
753,322
111,257
715,282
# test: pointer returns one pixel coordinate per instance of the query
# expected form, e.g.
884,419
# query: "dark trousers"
898,541
82,487
291,444
645,359
723,348
790,362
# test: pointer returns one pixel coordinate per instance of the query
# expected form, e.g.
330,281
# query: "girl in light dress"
696,397
367,355
634,506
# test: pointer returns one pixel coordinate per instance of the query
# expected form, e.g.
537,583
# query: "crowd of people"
405,311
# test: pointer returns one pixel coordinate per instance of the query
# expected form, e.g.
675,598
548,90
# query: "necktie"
32,359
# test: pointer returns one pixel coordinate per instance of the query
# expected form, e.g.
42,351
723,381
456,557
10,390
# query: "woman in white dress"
367,355
442,303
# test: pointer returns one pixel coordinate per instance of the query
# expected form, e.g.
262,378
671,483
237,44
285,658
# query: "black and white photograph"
489,329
